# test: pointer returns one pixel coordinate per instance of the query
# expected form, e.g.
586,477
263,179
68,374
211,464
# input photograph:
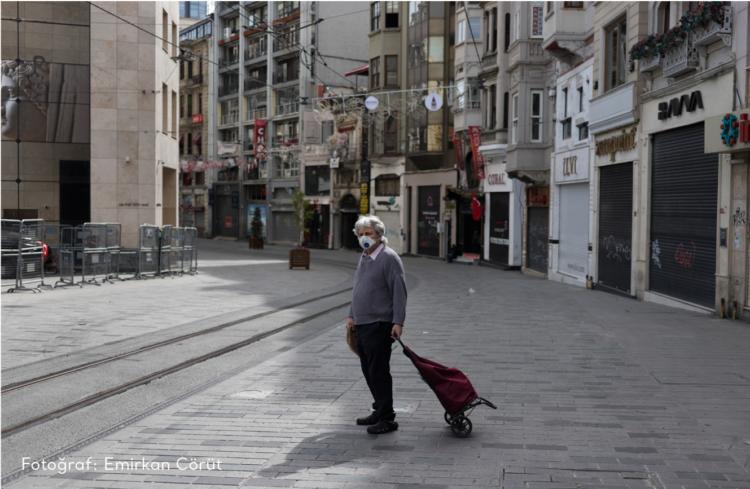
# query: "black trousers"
374,344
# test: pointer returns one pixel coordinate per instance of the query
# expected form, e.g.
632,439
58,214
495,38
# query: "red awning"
362,70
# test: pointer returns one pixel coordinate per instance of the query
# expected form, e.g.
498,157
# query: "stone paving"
594,391
231,278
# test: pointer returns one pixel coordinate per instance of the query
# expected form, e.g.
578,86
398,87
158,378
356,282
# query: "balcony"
614,109
566,30
283,141
255,51
529,51
287,109
646,65
196,80
228,61
282,78
715,31
253,84
253,115
231,118
228,90
680,59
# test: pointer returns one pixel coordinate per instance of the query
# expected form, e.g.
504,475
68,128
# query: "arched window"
663,20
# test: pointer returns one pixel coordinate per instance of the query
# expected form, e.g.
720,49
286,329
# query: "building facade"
197,125
56,164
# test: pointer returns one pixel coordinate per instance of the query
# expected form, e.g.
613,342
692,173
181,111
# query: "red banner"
458,146
259,139
475,136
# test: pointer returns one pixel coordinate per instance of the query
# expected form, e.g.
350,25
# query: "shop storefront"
503,217
683,184
537,229
615,153
570,218
730,134
428,220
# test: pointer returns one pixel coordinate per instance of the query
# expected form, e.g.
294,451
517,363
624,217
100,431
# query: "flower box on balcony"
714,31
680,59
646,65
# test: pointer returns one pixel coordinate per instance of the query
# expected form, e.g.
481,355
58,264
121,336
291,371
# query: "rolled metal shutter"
573,253
537,238
684,183
615,226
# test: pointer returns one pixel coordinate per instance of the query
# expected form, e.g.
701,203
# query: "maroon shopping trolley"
452,388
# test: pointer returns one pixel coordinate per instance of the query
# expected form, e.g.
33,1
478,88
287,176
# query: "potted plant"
256,231
300,255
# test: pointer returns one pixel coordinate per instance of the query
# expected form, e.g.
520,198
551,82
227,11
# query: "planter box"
681,59
255,243
299,258
646,65
715,31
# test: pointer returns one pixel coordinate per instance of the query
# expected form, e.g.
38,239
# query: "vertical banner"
475,135
259,139
364,188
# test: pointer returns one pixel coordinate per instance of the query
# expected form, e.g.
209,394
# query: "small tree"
256,227
302,213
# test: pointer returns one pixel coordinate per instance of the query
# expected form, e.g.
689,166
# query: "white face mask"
366,242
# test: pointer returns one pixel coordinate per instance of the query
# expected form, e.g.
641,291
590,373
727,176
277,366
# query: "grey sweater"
379,289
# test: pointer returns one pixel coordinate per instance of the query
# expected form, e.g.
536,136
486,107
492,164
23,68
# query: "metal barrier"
165,249
176,249
126,267
112,243
96,258
71,256
190,251
23,250
148,251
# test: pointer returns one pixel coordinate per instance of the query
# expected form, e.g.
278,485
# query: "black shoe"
368,420
383,426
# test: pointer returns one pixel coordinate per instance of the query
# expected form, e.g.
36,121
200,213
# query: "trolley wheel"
448,418
461,426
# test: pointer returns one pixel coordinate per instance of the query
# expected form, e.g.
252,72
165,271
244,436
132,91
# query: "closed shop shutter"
574,230
684,184
499,227
615,226
536,248
284,227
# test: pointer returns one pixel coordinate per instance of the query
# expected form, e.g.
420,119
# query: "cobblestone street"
593,390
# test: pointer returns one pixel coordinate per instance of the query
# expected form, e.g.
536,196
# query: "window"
662,18
174,114
189,149
615,54
391,71
493,106
516,25
190,69
317,180
566,128
374,72
374,16
182,70
580,99
537,20
536,116
514,128
583,131
487,32
387,186
435,52
474,29
174,40
564,101
200,177
164,108
505,110
164,31
572,4
494,29
199,110
189,105
461,32
391,14
390,135
507,31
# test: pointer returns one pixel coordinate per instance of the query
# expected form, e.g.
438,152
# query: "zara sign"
676,105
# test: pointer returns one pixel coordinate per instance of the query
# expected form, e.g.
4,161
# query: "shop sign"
197,118
569,166
611,146
675,106
458,146
364,188
727,133
496,178
259,139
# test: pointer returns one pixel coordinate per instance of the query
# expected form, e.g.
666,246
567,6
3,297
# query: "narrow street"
593,389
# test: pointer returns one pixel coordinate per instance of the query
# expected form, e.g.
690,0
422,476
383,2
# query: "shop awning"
362,70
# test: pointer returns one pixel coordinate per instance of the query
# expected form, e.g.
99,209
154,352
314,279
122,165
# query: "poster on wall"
45,102
263,218
428,239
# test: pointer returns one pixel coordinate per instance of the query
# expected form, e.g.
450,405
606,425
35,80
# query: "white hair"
373,222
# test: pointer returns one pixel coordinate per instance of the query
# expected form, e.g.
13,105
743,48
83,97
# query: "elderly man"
377,313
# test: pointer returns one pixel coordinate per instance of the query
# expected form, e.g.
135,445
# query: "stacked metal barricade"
92,254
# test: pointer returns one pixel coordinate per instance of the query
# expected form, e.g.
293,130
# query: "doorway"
75,192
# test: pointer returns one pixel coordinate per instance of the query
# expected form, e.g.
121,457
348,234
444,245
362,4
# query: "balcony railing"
279,141
286,109
196,79
231,118
715,31
282,78
649,64
228,90
228,61
681,59
253,84
261,113
255,51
